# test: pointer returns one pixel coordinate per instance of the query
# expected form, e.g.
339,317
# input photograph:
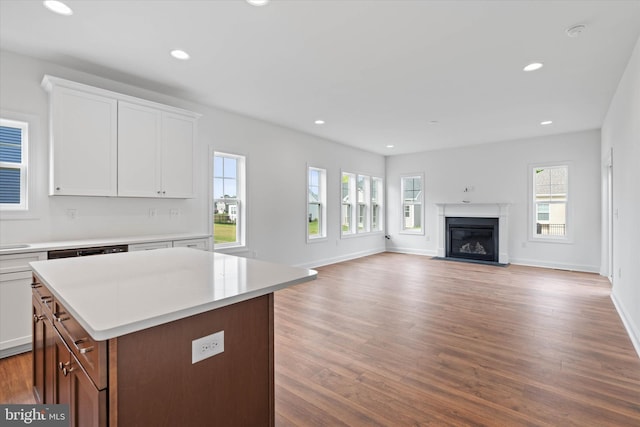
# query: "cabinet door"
83,144
43,339
88,404
63,364
15,318
139,151
38,352
178,144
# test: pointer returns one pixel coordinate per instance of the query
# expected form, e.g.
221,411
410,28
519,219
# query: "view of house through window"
348,190
227,198
316,203
550,198
13,165
412,203
363,184
376,204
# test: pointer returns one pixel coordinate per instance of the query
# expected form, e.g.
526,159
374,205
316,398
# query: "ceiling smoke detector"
576,30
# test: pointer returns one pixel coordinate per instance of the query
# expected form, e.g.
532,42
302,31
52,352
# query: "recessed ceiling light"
257,2
58,7
533,66
180,54
390,146
319,122
433,122
576,30
546,122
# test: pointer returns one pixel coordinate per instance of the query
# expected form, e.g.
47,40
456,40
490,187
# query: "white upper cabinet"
155,152
139,151
108,144
83,144
178,134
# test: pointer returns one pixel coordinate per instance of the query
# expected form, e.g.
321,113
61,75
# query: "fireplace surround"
499,211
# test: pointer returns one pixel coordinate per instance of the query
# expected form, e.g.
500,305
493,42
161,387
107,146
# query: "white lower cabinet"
15,302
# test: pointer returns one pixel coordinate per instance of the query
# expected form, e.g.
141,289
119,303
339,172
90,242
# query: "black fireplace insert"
472,238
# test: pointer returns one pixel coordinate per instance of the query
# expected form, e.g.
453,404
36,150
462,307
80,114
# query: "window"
550,201
412,218
228,204
363,184
377,198
14,141
348,191
316,203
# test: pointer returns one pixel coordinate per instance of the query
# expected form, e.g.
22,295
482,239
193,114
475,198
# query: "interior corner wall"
276,178
621,137
498,173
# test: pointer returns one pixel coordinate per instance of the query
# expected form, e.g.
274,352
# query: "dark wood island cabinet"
131,363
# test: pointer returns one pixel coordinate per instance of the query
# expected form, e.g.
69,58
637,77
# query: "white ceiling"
376,71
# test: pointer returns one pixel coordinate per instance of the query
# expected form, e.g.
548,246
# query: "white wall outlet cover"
205,347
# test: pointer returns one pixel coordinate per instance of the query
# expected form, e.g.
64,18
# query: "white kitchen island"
114,337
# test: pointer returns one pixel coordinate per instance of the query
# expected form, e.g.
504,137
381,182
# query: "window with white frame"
229,207
412,212
377,199
363,185
14,142
348,208
550,201
316,203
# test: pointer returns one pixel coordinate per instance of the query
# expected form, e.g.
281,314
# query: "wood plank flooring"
403,340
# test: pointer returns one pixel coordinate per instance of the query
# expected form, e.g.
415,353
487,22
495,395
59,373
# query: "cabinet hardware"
37,318
35,285
46,299
66,371
59,318
82,350
62,365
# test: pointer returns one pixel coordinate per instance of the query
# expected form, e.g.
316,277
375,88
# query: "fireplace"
472,238
471,211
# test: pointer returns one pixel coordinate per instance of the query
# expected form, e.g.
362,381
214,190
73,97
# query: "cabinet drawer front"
19,262
90,353
191,243
44,297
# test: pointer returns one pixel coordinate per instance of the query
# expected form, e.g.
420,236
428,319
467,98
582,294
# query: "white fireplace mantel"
482,210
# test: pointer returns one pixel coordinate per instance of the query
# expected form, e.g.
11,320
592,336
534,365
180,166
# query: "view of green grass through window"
225,199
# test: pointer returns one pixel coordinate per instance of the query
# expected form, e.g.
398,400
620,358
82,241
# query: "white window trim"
241,223
27,124
352,192
422,231
367,205
323,205
381,200
531,217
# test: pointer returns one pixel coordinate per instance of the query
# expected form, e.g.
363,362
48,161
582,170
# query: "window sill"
317,239
559,240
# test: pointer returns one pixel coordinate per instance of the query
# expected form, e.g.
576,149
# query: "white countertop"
88,243
117,294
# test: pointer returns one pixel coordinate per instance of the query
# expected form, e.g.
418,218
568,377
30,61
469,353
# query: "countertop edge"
106,241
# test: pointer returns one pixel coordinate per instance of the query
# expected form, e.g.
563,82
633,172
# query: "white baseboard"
556,265
341,258
632,331
15,350
413,251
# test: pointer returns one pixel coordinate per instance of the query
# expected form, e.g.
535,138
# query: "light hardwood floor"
403,340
